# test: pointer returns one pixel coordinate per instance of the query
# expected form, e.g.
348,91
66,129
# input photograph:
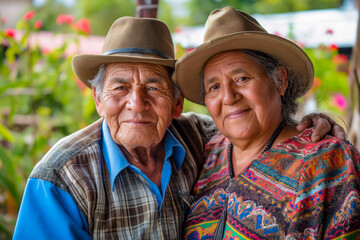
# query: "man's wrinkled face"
138,103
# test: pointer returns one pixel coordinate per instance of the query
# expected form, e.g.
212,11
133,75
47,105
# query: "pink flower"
83,25
63,18
3,20
10,32
339,101
45,51
29,15
38,24
329,32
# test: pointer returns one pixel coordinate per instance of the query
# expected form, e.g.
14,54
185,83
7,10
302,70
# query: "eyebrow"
237,70
119,80
154,80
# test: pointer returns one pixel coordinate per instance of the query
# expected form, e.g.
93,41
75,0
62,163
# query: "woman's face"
240,96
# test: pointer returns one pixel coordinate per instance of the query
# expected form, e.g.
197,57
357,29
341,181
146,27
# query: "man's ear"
98,103
178,106
283,78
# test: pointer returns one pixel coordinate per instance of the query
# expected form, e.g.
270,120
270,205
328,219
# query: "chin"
130,140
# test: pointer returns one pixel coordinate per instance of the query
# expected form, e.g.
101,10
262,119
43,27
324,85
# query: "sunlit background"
42,101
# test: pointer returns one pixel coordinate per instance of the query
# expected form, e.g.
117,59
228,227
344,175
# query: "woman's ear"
283,79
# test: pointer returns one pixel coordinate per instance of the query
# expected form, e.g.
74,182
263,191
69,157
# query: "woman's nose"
230,94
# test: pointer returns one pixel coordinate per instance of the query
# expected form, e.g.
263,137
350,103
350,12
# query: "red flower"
83,25
38,24
178,30
29,15
317,82
340,59
63,18
9,32
189,49
80,85
334,47
3,20
330,32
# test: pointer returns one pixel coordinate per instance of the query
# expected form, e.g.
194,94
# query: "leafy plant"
41,101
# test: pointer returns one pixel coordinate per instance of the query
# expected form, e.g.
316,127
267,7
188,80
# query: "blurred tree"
199,10
49,11
103,13
165,15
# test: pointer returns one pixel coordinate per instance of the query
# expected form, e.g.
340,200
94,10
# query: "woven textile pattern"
296,190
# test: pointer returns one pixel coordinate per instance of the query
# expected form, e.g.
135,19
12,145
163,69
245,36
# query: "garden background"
42,101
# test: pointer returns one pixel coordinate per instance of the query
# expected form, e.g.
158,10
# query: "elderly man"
128,175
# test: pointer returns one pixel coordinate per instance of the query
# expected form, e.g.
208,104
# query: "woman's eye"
213,87
241,79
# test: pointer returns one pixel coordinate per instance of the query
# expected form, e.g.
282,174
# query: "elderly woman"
262,178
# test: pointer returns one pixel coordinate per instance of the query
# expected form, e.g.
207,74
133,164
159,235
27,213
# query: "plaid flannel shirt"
129,211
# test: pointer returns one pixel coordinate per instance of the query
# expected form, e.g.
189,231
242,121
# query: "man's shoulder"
195,121
78,143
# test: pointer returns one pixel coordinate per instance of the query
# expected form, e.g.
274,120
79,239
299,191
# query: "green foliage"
330,89
104,13
41,102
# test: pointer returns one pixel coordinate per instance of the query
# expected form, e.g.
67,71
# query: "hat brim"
86,66
188,69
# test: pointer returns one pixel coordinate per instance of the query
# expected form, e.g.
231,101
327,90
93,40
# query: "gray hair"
99,78
98,81
289,105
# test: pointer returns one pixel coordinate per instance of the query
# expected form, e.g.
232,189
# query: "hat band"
137,50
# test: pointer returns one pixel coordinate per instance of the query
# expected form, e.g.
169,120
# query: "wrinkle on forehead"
155,68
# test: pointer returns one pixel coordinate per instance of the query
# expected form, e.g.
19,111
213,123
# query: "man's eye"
153,88
121,88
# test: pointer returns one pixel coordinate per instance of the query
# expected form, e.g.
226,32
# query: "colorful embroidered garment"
296,190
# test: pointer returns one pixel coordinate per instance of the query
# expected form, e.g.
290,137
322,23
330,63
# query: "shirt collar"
116,161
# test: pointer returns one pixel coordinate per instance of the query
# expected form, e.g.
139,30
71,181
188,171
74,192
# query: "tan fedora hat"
129,39
230,29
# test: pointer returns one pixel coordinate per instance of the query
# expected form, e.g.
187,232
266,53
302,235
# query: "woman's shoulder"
303,144
330,152
217,142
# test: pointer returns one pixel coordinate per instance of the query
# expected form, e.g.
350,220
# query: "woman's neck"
244,153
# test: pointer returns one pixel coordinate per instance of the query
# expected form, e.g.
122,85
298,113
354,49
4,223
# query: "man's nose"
138,100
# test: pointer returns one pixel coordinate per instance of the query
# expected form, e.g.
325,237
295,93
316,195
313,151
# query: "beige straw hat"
129,39
230,29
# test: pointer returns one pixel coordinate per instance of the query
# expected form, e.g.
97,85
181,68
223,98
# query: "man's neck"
149,160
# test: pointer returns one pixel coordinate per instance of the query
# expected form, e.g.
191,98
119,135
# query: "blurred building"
309,28
13,10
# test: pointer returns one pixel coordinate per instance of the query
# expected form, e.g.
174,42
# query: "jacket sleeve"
47,212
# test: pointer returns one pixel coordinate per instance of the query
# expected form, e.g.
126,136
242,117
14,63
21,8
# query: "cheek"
112,105
214,106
